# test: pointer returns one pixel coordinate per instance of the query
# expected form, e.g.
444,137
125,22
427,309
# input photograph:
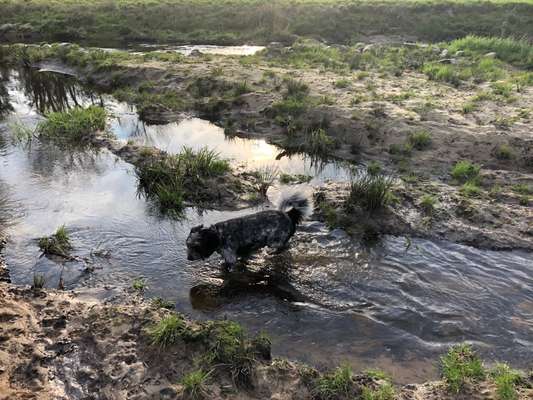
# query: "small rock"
195,53
167,394
368,47
459,53
490,55
444,53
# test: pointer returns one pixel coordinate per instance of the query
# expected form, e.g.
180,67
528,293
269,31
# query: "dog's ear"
197,228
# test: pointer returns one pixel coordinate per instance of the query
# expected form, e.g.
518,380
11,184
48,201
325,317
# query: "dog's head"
202,242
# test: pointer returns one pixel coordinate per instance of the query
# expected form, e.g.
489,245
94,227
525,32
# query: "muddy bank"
74,345
459,220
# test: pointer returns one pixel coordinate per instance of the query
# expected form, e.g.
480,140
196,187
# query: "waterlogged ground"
395,306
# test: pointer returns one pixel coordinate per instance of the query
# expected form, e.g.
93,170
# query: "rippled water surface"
326,300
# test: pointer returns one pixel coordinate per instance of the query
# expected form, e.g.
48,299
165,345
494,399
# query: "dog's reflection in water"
271,279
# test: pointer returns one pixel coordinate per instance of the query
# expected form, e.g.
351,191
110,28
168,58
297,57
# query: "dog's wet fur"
241,236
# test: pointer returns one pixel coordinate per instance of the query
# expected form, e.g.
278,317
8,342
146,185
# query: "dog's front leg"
230,258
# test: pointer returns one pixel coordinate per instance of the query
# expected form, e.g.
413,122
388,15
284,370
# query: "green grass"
73,125
194,384
242,88
287,179
173,179
377,374
231,348
506,380
469,107
335,385
515,52
504,152
57,244
319,143
465,171
265,178
403,149
139,284
296,89
371,192
471,189
503,89
460,366
167,332
374,168
38,281
342,83
522,188
444,73
428,203
382,392
420,140
242,21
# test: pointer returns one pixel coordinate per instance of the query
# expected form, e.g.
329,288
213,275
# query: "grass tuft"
173,179
335,385
428,203
465,171
73,125
382,392
460,366
57,244
194,384
504,152
506,380
167,332
266,176
38,282
420,140
371,192
139,284
471,189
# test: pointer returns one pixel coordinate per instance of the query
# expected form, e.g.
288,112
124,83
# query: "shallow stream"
327,300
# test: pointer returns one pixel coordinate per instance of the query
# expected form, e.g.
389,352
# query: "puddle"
324,301
245,50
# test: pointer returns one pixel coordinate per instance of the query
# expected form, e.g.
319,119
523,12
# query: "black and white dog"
241,236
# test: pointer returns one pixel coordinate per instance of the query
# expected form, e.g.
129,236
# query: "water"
326,300
246,50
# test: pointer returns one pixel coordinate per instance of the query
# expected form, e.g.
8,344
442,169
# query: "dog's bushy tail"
296,206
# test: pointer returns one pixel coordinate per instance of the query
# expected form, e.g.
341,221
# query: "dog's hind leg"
230,258
279,247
